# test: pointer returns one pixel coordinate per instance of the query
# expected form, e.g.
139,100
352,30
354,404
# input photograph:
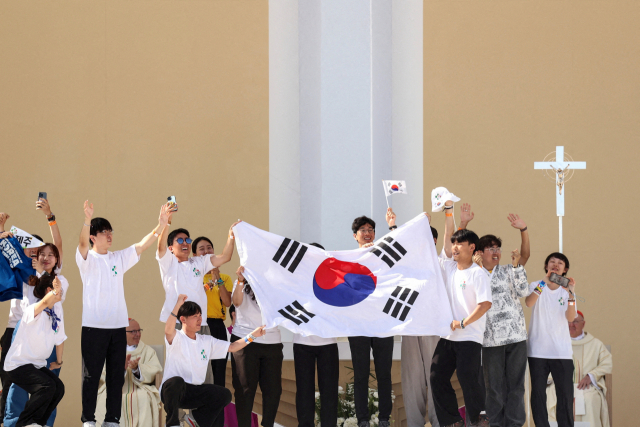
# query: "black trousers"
504,369
305,358
45,390
562,373
97,346
5,342
382,348
463,357
257,364
218,366
206,401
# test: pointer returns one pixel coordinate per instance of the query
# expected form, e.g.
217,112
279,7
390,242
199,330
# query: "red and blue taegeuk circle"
394,187
343,284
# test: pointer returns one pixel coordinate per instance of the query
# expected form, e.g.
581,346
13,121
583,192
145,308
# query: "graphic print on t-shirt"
561,301
463,285
114,271
196,272
203,354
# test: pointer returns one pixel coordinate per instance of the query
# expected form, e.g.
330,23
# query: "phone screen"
559,280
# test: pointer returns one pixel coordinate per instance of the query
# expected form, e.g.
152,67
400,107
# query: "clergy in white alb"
140,397
592,361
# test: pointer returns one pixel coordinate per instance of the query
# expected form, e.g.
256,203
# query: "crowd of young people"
488,345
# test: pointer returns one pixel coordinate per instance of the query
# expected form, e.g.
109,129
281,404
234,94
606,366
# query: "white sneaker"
110,424
34,425
89,424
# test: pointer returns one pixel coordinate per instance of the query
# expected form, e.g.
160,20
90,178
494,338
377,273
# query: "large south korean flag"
394,287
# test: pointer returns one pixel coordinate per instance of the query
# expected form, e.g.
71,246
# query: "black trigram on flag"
391,249
402,303
297,314
291,253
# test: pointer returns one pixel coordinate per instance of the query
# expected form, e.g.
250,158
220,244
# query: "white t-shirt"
466,289
313,340
249,317
35,339
189,359
183,278
103,304
549,336
16,308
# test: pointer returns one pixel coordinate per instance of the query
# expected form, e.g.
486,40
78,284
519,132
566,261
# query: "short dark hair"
487,241
98,225
465,235
317,245
435,233
232,309
174,233
41,284
38,237
54,249
360,221
188,309
561,257
194,244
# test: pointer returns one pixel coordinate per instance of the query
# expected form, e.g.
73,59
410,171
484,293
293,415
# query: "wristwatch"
51,217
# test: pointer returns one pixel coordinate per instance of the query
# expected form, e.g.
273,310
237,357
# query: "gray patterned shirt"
505,318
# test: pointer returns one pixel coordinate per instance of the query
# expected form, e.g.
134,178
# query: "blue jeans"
17,397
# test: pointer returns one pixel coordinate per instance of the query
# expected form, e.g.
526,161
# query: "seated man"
591,361
140,397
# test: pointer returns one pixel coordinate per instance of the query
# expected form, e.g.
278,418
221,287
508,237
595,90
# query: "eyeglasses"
494,250
366,230
106,232
135,331
180,240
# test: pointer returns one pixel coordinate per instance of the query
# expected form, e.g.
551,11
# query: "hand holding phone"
172,203
559,280
42,195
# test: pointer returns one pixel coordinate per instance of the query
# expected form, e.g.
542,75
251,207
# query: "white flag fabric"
26,240
394,187
392,288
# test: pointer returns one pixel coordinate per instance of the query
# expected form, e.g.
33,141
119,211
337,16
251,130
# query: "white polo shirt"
183,278
189,359
35,339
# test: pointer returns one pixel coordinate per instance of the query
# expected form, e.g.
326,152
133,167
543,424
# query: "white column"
358,92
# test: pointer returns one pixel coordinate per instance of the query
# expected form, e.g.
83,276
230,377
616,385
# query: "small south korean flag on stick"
394,187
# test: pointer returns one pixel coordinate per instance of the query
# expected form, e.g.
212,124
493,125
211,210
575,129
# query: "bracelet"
540,287
393,227
174,315
54,292
249,339
52,223
59,363
252,337
523,229
448,214
462,324
86,225
572,302
156,234
448,207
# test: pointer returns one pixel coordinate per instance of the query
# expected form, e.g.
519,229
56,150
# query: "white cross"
560,168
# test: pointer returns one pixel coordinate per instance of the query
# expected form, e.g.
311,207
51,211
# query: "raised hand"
477,258
43,205
516,222
133,363
390,217
165,214
5,234
231,235
88,210
515,257
181,299
3,218
465,213
239,272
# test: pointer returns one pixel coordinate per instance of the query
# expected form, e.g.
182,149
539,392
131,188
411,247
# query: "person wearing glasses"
104,310
364,232
140,397
182,274
504,349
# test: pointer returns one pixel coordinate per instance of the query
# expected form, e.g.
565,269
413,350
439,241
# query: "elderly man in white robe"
140,397
591,361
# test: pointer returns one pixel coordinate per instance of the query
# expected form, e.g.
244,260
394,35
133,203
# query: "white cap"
440,195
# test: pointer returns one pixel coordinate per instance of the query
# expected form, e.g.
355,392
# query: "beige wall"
125,103
504,83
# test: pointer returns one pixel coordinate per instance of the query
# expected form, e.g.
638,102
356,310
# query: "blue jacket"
15,269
